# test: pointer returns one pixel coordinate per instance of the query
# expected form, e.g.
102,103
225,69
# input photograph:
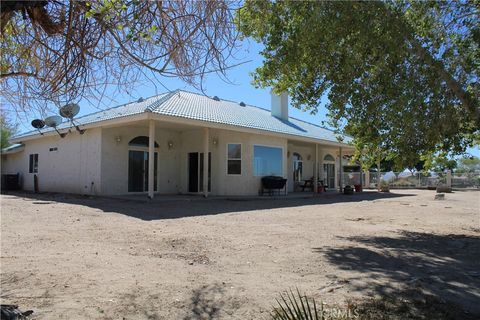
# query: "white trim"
268,146
241,160
328,161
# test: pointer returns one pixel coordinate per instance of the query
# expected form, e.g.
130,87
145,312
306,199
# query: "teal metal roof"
188,105
17,147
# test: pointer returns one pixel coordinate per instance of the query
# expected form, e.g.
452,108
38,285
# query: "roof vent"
216,98
242,104
140,100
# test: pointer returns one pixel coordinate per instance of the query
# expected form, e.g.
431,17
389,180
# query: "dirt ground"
73,257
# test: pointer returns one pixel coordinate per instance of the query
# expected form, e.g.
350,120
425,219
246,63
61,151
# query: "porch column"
367,179
151,157
315,171
205,161
340,184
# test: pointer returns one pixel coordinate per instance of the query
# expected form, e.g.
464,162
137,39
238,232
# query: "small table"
307,184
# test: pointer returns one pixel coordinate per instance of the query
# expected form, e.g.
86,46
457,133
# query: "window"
33,164
329,157
140,141
267,161
297,167
234,158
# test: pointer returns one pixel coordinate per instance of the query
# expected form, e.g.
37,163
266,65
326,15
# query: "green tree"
7,129
401,77
468,164
439,162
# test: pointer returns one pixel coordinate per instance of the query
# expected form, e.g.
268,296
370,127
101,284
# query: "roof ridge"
261,108
154,105
115,107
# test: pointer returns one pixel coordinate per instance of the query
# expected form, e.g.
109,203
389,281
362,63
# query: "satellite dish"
70,110
38,124
54,122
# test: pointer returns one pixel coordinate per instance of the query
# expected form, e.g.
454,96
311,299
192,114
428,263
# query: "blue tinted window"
267,161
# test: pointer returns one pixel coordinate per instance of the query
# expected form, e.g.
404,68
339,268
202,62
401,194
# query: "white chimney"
280,105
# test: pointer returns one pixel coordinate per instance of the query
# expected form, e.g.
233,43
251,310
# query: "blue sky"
238,88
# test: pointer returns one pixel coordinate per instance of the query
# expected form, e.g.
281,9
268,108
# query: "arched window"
329,157
297,167
140,141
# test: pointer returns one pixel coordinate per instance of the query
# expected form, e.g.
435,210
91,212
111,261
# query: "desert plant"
295,307
384,186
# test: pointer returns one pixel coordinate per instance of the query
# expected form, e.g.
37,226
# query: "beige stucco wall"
305,152
11,164
73,168
246,183
115,158
97,162
173,163
223,184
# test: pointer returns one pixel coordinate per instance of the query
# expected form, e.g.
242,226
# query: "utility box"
10,182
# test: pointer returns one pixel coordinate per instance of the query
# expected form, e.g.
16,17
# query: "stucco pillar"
449,178
315,171
367,179
151,158
205,161
321,172
340,183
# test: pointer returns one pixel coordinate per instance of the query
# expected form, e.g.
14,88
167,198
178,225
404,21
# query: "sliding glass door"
195,172
138,171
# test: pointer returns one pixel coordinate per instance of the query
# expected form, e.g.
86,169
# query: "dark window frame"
234,164
33,163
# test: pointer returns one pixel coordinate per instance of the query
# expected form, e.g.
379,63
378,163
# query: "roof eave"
101,123
176,119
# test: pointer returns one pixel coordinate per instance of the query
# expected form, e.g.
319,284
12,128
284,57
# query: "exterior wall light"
215,141
170,145
118,139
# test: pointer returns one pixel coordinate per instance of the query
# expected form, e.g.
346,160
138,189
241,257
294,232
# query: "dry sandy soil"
72,257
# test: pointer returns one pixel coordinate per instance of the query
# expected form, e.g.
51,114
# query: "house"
238,142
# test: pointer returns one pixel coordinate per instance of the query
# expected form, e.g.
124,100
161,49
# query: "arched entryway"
329,171
138,165
297,167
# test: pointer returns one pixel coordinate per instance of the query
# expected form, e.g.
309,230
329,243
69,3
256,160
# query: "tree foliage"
400,77
7,129
63,51
468,164
439,162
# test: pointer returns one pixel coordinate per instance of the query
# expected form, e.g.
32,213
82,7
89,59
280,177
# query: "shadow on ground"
445,267
206,303
157,210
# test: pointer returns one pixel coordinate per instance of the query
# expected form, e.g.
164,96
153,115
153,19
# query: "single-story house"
115,155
